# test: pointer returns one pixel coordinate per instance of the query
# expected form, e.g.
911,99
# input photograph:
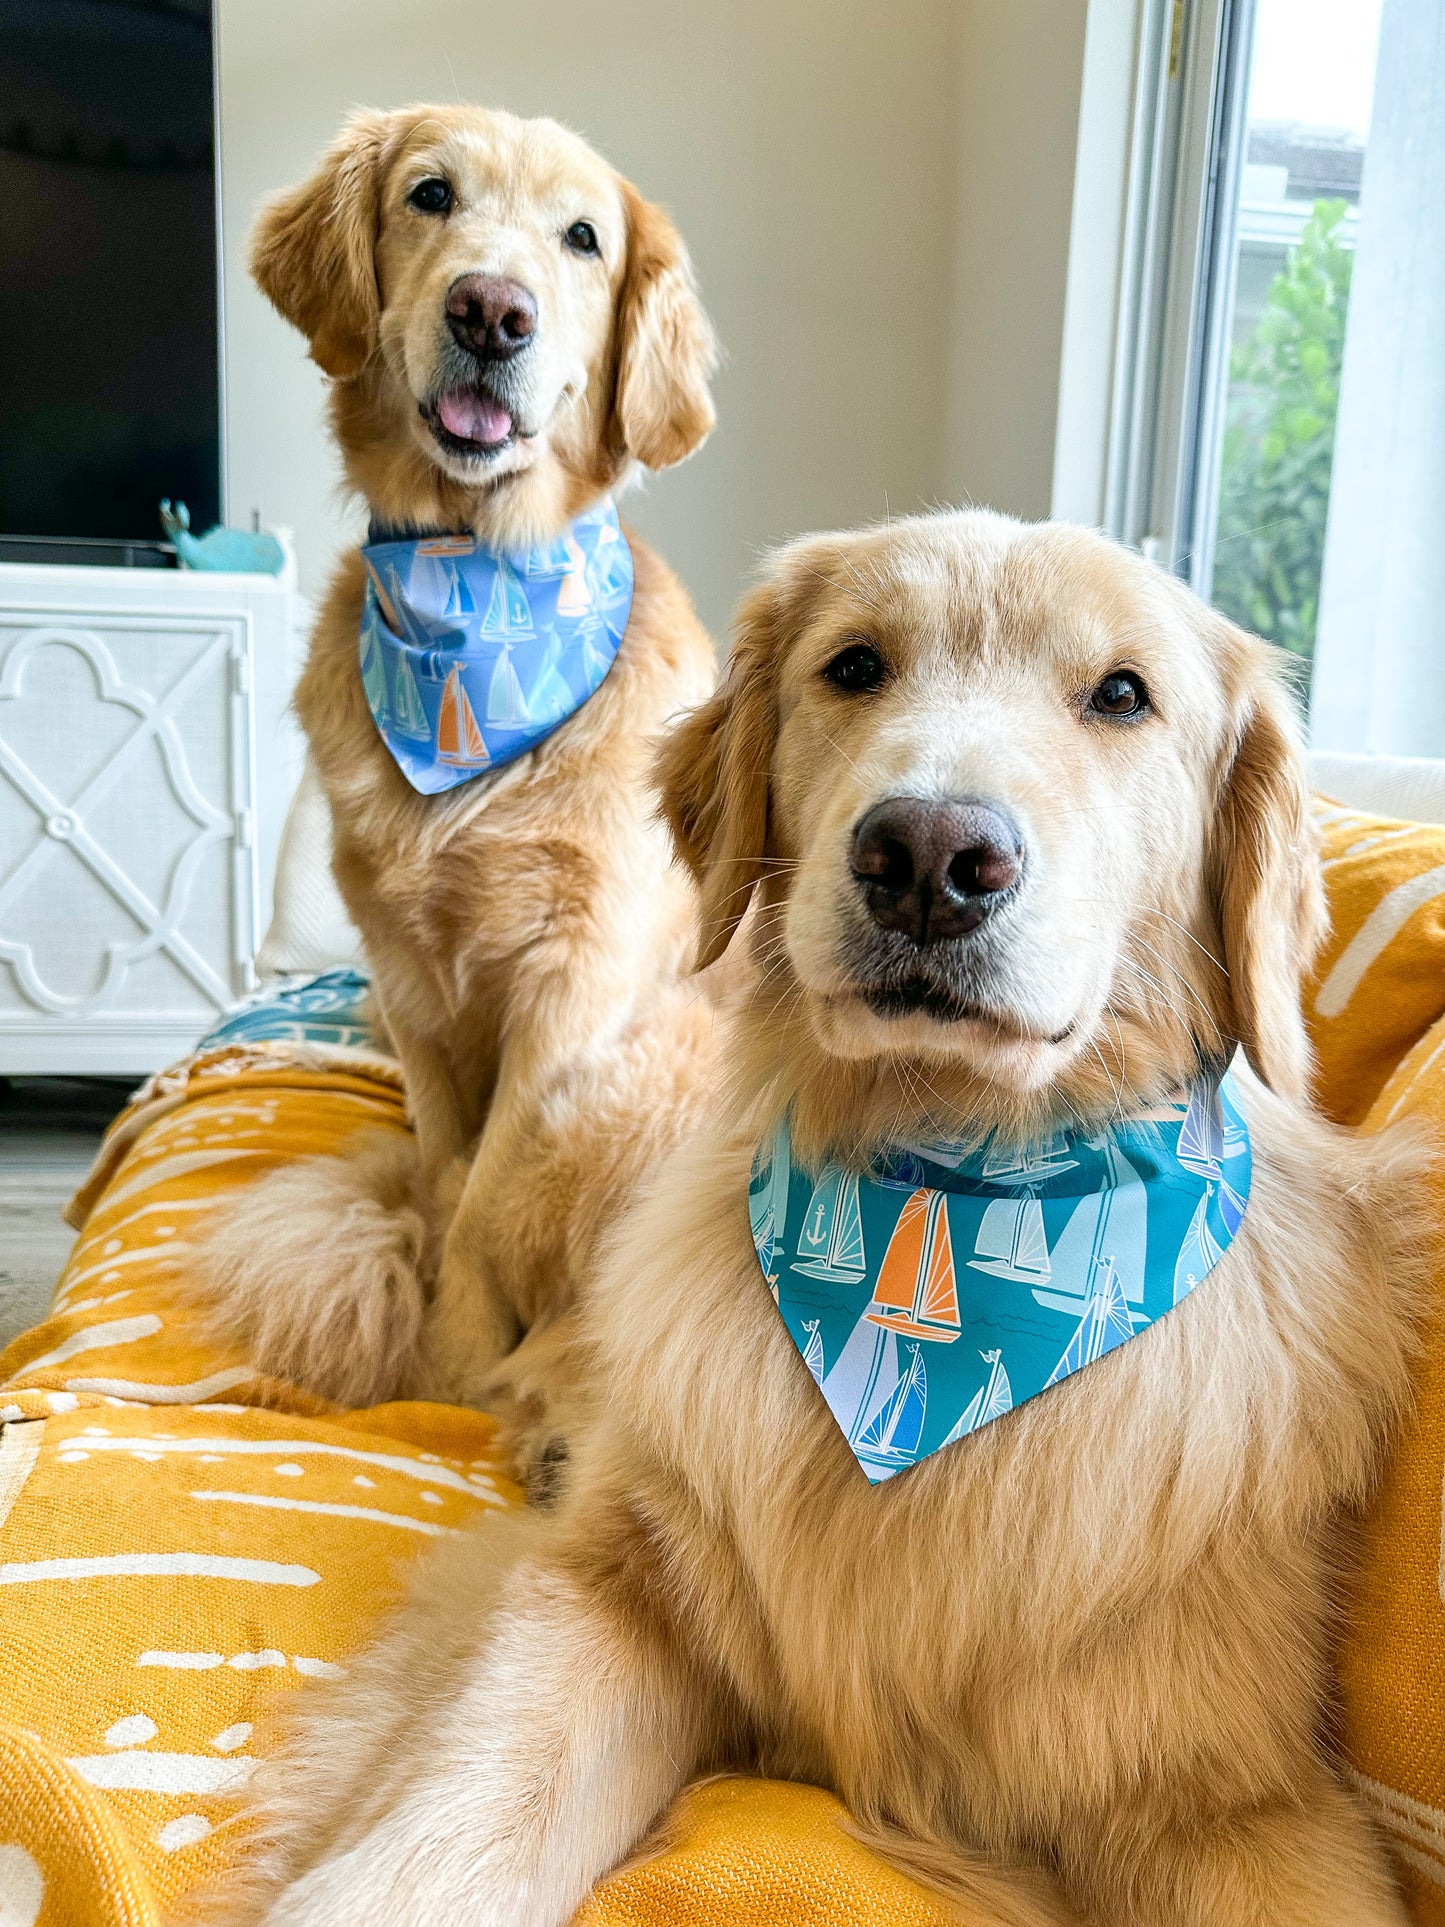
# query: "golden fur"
1072,1669
526,930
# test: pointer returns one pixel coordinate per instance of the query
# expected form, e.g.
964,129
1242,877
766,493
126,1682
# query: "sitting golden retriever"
510,330
1028,833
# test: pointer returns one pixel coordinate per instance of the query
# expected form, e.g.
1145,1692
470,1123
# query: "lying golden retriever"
1070,1667
510,330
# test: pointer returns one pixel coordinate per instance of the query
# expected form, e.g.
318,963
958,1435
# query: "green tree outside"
1279,442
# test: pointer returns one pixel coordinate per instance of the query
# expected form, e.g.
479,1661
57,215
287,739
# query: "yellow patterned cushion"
762,1853
184,1543
1380,982
118,1324
1393,1663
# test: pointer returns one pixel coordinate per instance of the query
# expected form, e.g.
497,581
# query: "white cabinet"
146,762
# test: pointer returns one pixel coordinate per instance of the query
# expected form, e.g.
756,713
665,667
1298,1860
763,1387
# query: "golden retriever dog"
1070,1668
510,332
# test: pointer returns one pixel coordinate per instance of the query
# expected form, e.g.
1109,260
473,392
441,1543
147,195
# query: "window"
1267,164
1267,439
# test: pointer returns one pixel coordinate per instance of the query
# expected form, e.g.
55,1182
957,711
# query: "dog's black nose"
934,870
491,316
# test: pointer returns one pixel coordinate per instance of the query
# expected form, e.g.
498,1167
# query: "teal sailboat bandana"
941,1287
470,656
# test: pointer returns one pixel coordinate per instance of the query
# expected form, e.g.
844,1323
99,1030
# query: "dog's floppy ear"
313,248
666,350
1266,873
712,773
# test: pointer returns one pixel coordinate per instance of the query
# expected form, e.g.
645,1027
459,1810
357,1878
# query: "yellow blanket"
184,1543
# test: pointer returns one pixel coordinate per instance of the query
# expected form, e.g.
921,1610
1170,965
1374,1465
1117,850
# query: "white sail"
550,698
992,1399
1201,1135
830,1244
862,1376
506,704
430,580
410,719
890,1438
1011,1241
373,675
1199,1253
1111,1224
546,564
1032,1164
768,1199
574,598
509,614
1106,1322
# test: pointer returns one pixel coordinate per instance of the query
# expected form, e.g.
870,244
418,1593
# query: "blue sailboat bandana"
470,656
941,1287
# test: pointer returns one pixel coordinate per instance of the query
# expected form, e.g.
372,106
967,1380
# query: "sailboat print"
1107,1322
1114,1219
1201,1135
398,611
440,592
548,563
609,574
992,1399
408,718
813,1350
862,1377
550,698
373,675
574,598
916,1292
1031,1165
386,600
509,614
889,1441
459,741
1012,1243
1198,1254
768,1201
506,704
830,1244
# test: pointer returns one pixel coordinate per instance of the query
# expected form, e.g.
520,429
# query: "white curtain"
1379,676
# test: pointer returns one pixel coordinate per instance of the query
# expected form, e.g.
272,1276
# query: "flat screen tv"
109,384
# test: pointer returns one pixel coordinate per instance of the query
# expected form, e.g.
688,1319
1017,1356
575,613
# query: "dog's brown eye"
858,667
1122,694
432,196
581,237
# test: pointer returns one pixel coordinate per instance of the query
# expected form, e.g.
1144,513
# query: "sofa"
186,1544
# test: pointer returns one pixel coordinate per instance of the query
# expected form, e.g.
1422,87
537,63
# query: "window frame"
1177,277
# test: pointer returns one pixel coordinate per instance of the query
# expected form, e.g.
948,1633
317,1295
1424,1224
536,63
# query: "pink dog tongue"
473,416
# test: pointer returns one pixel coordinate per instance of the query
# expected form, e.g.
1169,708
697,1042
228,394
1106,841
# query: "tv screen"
109,390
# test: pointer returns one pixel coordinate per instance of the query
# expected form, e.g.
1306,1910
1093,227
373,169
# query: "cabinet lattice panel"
130,866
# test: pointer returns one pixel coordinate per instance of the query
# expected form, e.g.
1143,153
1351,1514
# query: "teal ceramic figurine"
234,550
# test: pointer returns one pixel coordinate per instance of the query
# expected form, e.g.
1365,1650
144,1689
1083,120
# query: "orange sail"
916,1293
459,740
938,1301
898,1274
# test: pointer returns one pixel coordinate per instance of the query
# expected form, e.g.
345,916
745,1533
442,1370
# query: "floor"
49,1130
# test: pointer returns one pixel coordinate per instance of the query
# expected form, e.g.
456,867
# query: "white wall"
877,199
1019,65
